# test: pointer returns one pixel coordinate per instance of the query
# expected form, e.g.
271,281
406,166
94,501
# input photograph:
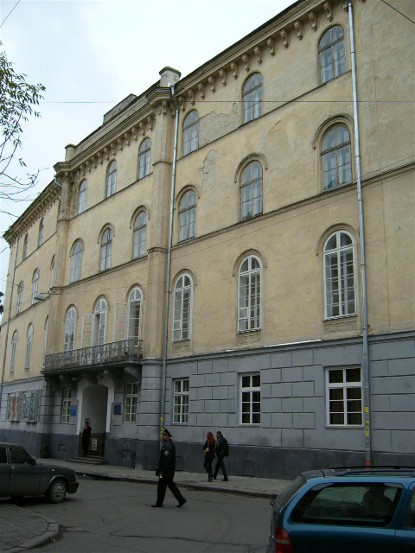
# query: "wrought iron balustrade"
130,350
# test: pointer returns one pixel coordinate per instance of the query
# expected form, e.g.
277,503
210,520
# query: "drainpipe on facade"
6,340
365,342
168,268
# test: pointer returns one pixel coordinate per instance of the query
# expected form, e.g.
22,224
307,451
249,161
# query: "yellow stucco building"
232,249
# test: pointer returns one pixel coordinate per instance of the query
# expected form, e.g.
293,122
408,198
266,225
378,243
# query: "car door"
332,517
24,475
4,472
405,534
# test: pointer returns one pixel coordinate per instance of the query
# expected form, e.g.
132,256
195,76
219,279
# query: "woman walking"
209,451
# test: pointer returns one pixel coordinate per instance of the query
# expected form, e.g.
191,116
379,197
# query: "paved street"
22,528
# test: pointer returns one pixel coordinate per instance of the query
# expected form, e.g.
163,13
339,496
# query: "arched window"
19,297
144,158
100,323
29,344
52,271
13,352
35,285
140,235
182,319
106,250
332,54
339,275
111,178
187,215
82,197
190,132
24,250
76,261
249,294
251,190
41,231
336,157
134,314
70,327
252,97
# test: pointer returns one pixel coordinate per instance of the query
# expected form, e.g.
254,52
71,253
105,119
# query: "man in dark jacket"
222,451
165,471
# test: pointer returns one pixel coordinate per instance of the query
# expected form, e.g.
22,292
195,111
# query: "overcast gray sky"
90,54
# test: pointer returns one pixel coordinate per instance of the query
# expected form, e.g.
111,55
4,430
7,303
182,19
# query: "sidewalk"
21,529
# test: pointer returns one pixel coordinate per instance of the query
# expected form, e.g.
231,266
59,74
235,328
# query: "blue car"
346,510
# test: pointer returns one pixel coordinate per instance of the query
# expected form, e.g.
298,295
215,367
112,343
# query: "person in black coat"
222,451
86,435
166,468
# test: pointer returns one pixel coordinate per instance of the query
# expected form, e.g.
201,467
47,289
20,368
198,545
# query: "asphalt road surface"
117,517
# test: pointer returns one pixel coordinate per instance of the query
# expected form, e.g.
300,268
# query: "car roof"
361,471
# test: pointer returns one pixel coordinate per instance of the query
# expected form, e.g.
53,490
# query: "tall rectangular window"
66,404
251,399
344,397
130,402
181,400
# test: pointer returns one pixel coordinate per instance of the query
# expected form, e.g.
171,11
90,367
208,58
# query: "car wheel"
57,491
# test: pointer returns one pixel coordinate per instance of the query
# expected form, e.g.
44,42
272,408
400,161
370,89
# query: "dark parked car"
21,475
358,510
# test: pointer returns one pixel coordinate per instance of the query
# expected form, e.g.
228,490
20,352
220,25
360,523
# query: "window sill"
347,322
244,337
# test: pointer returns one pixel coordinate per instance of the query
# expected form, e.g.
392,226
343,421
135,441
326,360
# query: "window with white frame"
251,190
29,344
332,54
76,262
134,314
191,132
344,397
181,400
140,235
99,325
336,157
19,297
144,158
339,272
182,321
82,197
41,232
252,97
13,351
111,184
187,215
30,405
66,405
25,245
249,295
250,385
70,327
130,402
35,285
106,250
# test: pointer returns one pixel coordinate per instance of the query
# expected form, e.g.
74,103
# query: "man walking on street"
222,451
165,471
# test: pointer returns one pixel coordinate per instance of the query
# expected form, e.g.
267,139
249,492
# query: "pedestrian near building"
209,451
86,435
166,468
222,451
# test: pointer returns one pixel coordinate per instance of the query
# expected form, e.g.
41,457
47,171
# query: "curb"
47,537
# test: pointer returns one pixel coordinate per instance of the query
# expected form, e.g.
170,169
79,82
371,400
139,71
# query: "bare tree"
17,101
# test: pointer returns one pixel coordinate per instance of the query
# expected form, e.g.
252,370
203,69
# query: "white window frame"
99,326
183,307
336,157
251,190
76,262
181,388
343,400
111,179
134,314
70,329
252,97
250,294
25,246
144,158
66,405
130,402
29,346
106,250
41,232
35,285
338,286
82,197
15,339
332,54
19,299
250,397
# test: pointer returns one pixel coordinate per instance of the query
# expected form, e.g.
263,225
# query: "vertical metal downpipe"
365,342
168,268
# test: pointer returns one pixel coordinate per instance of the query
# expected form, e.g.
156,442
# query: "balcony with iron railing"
108,355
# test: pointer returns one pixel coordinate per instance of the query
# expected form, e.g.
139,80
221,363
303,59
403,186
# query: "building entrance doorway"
94,410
